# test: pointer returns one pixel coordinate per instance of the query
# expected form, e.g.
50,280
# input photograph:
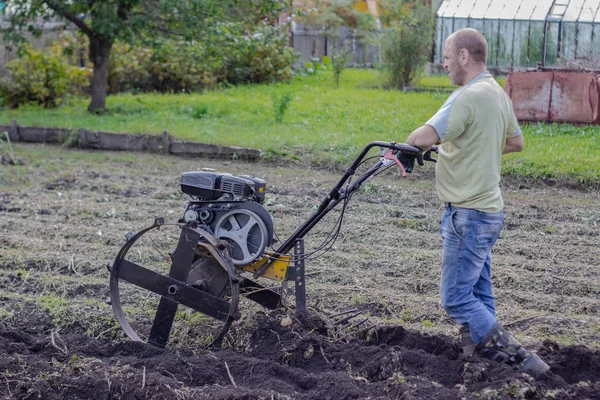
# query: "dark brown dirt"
279,362
63,215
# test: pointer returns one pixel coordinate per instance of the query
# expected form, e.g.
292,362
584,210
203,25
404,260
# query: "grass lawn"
323,123
442,81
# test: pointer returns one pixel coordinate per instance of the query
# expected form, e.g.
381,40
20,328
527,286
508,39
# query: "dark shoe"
501,346
466,341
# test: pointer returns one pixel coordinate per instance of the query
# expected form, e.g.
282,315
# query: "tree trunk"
100,57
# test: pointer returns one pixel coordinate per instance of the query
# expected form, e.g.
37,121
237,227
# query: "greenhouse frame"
521,33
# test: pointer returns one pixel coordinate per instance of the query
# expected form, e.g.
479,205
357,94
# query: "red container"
555,96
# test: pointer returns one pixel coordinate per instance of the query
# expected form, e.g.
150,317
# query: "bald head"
472,41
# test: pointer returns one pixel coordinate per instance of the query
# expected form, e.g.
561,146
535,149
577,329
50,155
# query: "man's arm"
424,137
514,144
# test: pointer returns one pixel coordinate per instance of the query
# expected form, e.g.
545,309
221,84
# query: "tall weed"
11,151
339,61
281,103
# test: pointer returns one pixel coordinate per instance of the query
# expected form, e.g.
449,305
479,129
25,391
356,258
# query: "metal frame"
295,273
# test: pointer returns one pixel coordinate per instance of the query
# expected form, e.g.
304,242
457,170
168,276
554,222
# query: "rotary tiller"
223,241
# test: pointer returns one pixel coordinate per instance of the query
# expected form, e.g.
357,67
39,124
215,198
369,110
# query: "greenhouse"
521,33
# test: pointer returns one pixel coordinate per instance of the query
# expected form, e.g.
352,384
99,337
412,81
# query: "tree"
406,40
105,21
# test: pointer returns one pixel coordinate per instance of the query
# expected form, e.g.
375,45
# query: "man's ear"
463,56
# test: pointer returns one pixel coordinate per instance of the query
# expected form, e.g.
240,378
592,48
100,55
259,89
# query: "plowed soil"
63,215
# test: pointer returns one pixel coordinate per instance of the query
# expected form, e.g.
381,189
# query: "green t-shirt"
473,125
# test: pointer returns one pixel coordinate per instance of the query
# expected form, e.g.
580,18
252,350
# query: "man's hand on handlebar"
408,159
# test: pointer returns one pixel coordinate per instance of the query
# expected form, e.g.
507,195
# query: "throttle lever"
389,155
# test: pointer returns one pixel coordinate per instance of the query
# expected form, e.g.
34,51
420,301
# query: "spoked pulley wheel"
246,234
166,265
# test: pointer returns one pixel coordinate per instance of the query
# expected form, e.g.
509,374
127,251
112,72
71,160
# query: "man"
475,126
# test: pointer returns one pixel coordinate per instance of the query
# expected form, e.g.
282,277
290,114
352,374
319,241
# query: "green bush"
258,56
73,48
179,66
39,76
128,68
406,41
227,54
168,66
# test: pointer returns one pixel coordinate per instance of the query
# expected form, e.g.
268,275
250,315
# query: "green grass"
442,81
559,151
323,123
436,81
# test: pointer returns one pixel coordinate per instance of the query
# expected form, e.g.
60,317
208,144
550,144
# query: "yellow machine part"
276,270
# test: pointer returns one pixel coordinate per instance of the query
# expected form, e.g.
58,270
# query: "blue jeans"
466,286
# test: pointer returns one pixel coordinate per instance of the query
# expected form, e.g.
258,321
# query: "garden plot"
64,213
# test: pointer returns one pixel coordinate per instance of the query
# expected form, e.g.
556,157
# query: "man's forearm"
423,137
514,144
511,149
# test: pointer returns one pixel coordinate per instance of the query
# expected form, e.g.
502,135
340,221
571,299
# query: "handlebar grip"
406,148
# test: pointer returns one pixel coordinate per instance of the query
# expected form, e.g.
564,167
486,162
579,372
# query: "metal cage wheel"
160,274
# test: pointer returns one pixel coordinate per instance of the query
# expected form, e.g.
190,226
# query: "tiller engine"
218,249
